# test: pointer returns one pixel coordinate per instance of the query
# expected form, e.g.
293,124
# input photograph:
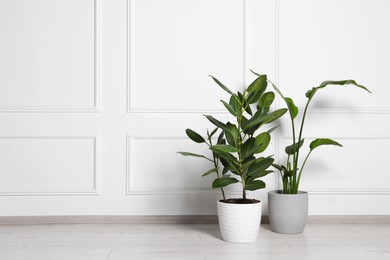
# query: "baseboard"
178,219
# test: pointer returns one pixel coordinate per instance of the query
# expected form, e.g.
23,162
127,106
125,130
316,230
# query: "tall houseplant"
235,156
296,206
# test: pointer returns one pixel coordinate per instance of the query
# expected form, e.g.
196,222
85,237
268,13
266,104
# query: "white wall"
95,97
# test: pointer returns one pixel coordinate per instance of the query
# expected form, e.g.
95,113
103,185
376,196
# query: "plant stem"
215,161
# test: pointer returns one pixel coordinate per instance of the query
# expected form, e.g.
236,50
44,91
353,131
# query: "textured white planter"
239,223
287,212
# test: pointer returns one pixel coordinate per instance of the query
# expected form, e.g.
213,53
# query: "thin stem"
299,140
300,171
215,161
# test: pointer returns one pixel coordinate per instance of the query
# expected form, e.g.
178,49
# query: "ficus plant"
291,171
236,153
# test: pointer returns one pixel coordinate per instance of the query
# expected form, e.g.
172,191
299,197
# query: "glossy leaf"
254,185
310,93
216,122
259,165
223,182
291,107
263,139
213,132
231,134
229,108
291,149
259,84
222,85
266,101
224,148
253,97
271,117
323,141
259,175
194,136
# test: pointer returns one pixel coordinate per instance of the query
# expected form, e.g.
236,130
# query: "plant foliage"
235,155
291,172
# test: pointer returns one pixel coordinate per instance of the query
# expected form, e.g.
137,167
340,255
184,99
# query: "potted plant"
288,208
235,157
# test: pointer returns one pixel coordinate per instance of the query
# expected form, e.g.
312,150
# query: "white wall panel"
174,45
331,39
154,166
48,165
48,55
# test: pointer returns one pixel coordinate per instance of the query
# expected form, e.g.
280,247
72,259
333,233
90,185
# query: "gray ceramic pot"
287,212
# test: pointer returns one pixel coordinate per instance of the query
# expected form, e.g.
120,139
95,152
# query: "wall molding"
177,219
340,110
130,108
131,190
97,80
96,184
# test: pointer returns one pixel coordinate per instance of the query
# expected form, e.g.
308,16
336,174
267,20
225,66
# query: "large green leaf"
232,134
224,148
266,101
223,182
248,148
274,115
254,185
253,97
263,139
194,136
259,84
310,93
291,107
222,85
259,165
235,102
322,141
293,148
216,122
259,175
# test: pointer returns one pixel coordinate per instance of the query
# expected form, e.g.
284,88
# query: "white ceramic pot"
239,223
287,212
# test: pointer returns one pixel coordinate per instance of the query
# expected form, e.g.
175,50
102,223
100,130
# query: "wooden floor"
190,242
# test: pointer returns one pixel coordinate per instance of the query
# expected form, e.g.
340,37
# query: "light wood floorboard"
190,241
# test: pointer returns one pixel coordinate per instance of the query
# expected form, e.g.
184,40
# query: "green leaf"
216,122
266,101
222,85
224,148
310,93
209,172
291,149
248,148
322,141
213,132
235,102
229,108
272,129
193,154
255,185
254,97
223,182
259,175
194,136
259,165
259,84
274,115
231,134
263,139
291,107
